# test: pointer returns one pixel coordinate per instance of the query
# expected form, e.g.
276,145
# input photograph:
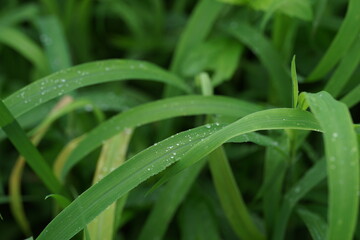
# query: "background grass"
220,134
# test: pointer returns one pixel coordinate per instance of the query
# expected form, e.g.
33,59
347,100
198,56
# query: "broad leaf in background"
220,55
293,8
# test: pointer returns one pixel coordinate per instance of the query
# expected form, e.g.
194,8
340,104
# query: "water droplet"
88,108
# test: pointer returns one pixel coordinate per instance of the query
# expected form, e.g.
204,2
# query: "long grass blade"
169,200
112,156
64,81
352,98
311,178
56,47
115,185
346,68
342,158
315,224
17,40
23,144
19,14
231,198
196,30
270,58
16,174
283,118
17,208
196,210
155,111
186,146
342,42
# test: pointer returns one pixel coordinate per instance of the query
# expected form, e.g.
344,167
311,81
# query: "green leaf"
220,55
270,58
120,181
293,8
183,146
194,211
343,72
169,200
53,39
342,158
294,82
64,81
282,118
231,198
315,224
353,97
198,27
155,111
60,199
17,40
311,178
345,37
112,156
23,144
19,14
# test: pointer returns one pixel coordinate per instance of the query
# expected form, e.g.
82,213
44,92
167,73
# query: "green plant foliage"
182,119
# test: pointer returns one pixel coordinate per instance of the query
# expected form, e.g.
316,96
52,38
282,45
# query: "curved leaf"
155,111
343,40
83,75
283,118
190,146
270,58
342,159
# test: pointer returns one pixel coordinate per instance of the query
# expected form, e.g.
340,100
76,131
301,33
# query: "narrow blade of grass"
342,164
196,30
53,39
17,40
283,118
19,14
64,81
295,86
169,200
342,42
352,98
270,58
16,175
344,71
315,224
112,156
231,198
159,110
194,211
23,144
275,168
312,177
16,206
186,146
115,185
